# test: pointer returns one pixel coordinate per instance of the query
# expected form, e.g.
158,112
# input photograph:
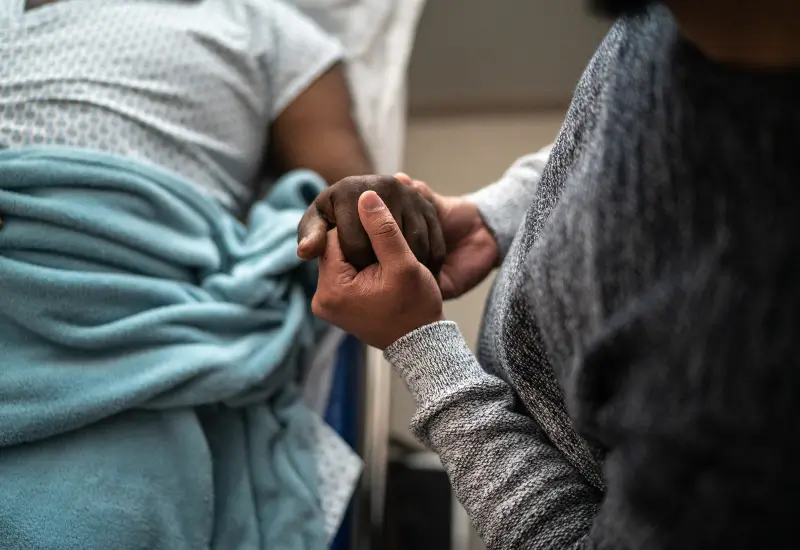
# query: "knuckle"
349,181
386,182
320,200
310,212
349,188
386,227
426,204
407,272
362,183
388,187
323,303
316,306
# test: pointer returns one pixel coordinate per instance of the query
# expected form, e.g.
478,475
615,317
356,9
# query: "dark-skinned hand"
388,299
337,207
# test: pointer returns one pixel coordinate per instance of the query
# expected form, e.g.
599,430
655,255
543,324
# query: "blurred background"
489,81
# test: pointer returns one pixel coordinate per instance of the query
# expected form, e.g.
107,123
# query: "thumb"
311,234
384,234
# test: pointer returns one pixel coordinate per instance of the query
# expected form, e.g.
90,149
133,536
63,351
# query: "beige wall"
500,54
456,155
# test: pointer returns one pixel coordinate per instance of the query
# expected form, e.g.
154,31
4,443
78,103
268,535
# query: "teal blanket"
149,344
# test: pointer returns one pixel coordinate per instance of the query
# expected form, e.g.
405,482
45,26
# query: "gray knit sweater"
637,384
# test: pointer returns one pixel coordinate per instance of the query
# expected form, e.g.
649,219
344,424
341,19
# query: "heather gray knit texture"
637,384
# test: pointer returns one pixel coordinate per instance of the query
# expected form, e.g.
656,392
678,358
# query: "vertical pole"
374,423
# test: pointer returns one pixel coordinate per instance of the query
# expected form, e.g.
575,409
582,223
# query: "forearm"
346,154
340,155
517,488
318,131
504,203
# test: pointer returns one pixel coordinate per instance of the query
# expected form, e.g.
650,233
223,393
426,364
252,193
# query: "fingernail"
302,242
372,202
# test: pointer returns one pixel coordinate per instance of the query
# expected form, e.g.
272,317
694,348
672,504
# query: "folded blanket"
149,343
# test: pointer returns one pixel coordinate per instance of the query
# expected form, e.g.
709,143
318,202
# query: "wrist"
498,222
432,360
481,231
495,249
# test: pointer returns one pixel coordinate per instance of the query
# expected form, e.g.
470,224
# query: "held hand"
337,207
385,301
472,251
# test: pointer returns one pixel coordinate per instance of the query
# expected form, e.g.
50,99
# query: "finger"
333,250
384,233
403,178
311,232
423,189
353,238
313,228
333,266
415,231
447,286
437,250
417,185
436,200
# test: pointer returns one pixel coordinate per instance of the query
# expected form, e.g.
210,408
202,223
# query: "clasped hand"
390,249
386,300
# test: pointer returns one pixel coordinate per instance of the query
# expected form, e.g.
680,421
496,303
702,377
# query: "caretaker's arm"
503,204
700,428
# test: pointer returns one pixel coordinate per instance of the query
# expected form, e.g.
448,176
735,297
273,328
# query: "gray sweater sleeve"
517,488
504,203
721,472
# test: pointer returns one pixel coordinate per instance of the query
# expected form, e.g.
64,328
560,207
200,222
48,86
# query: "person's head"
616,8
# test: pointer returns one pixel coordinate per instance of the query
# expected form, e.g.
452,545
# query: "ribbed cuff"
433,360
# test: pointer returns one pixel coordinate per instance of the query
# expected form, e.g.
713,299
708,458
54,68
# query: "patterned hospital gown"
190,85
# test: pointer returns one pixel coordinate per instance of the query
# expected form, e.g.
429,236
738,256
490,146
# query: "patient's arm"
312,126
310,118
30,4
317,131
